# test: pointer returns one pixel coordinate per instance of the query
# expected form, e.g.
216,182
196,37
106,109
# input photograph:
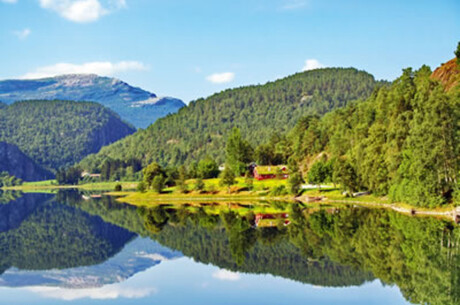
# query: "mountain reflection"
334,247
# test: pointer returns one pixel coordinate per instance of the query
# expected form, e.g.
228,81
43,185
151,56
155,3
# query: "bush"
211,188
141,187
118,187
279,190
199,186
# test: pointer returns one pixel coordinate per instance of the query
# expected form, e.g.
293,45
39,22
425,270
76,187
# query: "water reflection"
74,240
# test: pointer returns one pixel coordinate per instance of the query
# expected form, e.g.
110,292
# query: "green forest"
201,128
330,125
404,141
57,134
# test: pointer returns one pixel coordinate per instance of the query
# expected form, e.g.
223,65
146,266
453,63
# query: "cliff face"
113,130
17,164
448,74
57,134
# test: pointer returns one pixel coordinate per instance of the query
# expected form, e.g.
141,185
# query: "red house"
271,172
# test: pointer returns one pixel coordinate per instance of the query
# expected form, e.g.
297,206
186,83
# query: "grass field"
50,185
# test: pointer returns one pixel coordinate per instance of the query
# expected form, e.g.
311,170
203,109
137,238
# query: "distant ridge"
135,105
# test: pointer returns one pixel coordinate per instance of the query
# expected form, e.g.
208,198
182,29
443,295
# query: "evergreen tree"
238,152
181,183
199,185
457,53
227,178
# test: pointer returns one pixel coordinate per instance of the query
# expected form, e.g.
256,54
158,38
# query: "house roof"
271,169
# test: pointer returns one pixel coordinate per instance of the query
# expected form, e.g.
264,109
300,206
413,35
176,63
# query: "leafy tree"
345,175
141,187
151,172
207,168
264,154
318,173
158,183
172,175
295,182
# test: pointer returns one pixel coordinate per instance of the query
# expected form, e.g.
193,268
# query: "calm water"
74,249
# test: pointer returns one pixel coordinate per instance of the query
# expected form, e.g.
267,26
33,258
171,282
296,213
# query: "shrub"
141,187
279,190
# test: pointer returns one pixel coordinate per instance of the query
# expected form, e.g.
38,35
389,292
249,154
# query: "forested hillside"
404,141
60,133
259,111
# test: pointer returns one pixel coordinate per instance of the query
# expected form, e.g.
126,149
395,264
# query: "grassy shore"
52,186
261,191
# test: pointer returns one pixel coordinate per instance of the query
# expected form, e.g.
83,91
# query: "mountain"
260,111
59,133
137,106
17,164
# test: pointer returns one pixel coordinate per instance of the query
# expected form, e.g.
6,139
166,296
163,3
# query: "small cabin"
271,172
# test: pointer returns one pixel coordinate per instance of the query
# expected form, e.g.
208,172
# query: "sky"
191,49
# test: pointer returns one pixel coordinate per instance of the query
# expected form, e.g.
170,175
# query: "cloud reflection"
114,291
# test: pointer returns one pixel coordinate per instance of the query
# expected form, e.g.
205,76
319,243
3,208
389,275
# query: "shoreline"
131,197
146,199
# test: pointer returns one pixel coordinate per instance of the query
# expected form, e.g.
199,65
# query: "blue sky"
191,49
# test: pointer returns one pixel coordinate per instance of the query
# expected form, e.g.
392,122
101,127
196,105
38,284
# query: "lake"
76,248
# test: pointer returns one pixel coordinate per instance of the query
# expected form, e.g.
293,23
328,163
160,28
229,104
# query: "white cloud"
113,291
225,275
82,11
104,68
312,64
221,78
293,4
23,34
